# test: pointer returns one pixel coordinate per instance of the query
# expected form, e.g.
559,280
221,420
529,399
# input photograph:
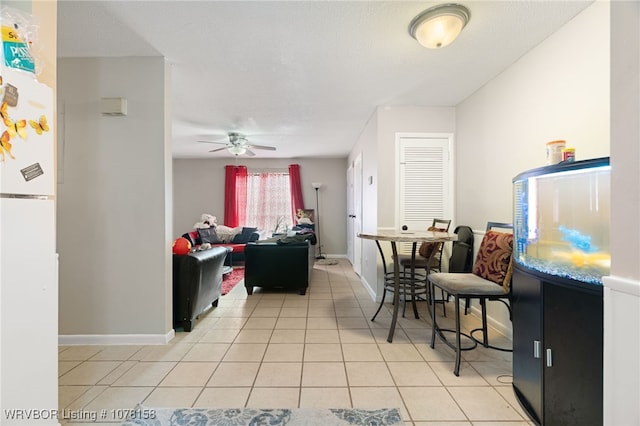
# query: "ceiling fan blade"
218,142
250,153
269,148
218,149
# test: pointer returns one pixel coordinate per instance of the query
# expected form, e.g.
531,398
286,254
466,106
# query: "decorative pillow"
226,233
208,235
426,249
245,236
494,258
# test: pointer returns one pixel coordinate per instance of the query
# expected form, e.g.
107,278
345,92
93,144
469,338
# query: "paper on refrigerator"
27,164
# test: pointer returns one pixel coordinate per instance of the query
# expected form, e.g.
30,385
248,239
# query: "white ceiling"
303,76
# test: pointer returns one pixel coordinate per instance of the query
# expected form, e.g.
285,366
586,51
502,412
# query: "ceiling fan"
238,144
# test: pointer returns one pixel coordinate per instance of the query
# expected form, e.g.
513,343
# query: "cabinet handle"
537,349
549,358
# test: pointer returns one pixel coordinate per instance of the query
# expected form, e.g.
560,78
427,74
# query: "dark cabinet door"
527,342
573,342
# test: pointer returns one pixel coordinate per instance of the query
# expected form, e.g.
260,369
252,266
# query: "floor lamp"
317,186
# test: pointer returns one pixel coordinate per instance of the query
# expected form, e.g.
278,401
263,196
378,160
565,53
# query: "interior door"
350,233
423,182
357,215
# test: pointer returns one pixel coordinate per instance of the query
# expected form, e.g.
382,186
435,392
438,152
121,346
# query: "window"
269,200
263,199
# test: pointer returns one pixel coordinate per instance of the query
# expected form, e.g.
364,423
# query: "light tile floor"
280,349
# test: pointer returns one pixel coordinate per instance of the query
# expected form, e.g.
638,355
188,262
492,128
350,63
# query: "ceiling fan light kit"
237,150
440,25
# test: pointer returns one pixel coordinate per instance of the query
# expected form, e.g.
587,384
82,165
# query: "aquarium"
561,220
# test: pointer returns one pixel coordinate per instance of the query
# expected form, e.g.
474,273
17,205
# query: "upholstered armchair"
282,265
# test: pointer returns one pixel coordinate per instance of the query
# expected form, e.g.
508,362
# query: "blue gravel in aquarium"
586,275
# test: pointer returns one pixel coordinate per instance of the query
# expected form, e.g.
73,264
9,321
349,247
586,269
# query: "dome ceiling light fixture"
237,149
440,25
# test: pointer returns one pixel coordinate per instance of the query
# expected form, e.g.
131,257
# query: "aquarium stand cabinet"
557,348
561,251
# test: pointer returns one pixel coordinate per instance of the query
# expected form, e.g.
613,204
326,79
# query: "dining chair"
406,280
421,262
429,259
490,280
461,259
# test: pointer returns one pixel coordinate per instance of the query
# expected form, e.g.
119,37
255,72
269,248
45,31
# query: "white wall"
199,188
622,288
559,90
546,95
114,202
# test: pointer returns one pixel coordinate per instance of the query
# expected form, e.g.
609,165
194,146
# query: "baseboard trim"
116,339
367,287
505,330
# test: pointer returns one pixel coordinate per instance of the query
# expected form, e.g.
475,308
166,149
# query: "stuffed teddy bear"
206,221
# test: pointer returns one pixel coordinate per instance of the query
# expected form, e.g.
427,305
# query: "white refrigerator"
28,261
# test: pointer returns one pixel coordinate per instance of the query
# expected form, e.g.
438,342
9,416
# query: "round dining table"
395,237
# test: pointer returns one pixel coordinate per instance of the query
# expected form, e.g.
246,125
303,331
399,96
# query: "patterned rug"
229,281
262,417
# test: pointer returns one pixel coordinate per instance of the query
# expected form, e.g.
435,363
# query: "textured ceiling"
303,76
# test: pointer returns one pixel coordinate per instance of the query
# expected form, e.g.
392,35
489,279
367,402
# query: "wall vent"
113,106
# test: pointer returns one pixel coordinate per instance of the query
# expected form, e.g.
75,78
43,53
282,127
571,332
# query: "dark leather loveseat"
278,265
197,283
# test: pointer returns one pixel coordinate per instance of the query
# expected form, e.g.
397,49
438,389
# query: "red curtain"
297,203
235,195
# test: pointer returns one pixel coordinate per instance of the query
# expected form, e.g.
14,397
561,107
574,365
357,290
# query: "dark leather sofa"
236,246
278,265
197,283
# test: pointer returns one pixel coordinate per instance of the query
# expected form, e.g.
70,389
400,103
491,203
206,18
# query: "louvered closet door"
424,183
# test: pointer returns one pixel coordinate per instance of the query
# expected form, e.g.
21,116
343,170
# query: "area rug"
229,281
146,416
327,262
